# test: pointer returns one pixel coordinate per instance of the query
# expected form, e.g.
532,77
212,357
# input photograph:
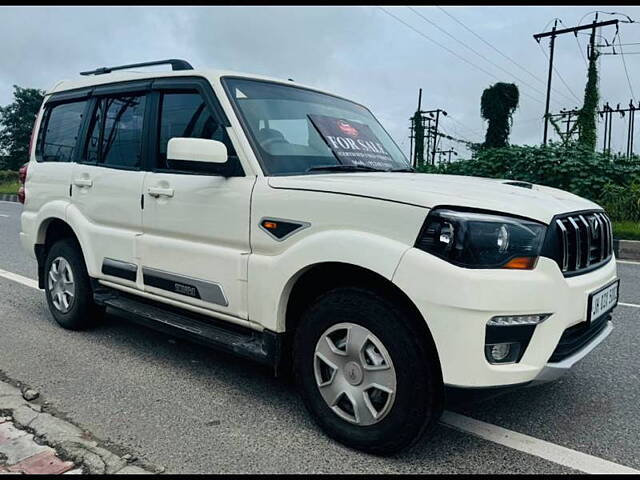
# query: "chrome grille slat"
585,249
588,228
601,227
565,246
578,242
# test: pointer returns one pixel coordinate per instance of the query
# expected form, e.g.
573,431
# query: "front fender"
272,276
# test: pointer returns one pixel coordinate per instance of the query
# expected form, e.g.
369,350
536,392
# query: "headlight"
481,240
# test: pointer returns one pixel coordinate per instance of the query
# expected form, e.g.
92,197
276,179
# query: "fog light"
510,320
502,352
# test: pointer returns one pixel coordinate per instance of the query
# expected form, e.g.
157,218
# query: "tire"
77,311
396,347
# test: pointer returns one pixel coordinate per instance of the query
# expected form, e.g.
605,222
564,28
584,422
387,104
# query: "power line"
474,51
586,64
497,50
626,72
468,129
555,70
448,49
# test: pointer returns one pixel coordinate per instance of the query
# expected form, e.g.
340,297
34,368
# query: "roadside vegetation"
612,181
9,182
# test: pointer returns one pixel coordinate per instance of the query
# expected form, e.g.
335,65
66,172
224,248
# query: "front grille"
582,241
576,337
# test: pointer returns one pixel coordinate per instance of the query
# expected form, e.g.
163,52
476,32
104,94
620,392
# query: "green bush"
8,176
611,181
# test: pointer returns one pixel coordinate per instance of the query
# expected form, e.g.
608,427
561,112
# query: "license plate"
603,301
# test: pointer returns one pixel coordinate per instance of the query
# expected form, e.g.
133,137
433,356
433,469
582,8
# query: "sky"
378,58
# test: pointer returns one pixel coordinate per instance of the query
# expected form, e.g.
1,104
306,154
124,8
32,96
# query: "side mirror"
196,150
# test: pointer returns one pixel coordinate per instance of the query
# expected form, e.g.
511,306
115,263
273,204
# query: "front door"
195,241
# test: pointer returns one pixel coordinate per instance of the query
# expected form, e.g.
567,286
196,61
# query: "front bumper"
456,303
553,371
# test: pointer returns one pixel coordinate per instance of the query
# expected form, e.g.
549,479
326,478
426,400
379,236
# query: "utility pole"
450,151
550,76
632,115
433,133
553,34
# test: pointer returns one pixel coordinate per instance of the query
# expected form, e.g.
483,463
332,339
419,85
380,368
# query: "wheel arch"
50,231
314,280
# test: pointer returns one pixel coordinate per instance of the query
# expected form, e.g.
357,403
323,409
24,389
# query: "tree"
16,123
497,105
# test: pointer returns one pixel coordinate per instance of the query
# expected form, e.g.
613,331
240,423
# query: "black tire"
419,395
83,312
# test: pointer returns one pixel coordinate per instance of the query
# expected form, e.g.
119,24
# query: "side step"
263,347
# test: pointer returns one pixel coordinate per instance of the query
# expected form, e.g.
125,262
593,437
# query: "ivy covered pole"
587,116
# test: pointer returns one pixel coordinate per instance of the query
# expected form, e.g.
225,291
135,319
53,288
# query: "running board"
263,347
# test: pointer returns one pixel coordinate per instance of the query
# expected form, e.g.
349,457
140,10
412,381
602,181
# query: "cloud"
357,52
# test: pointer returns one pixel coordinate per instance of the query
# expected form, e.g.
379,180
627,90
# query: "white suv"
283,224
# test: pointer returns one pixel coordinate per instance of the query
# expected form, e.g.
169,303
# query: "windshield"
298,131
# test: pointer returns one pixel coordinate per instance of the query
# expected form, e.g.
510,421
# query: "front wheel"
365,376
67,287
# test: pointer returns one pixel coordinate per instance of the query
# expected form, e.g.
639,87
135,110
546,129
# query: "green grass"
626,230
9,187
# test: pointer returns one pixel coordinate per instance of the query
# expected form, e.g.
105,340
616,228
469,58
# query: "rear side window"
60,135
115,132
186,114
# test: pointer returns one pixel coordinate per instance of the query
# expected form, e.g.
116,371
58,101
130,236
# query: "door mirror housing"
196,150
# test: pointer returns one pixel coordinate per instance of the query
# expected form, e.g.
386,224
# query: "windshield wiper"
344,168
403,169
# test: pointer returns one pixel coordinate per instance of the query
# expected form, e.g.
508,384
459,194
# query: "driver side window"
186,114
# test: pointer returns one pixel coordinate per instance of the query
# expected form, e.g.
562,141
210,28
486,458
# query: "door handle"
83,182
160,192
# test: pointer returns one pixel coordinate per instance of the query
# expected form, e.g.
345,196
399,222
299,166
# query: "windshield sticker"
352,143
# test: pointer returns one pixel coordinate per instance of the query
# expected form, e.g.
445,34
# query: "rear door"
107,181
56,150
196,216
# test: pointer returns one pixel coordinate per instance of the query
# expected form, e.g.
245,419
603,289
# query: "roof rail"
176,64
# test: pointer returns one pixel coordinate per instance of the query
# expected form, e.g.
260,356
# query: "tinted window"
186,114
61,134
92,148
121,143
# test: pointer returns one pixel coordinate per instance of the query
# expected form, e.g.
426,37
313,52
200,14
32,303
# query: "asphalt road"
190,409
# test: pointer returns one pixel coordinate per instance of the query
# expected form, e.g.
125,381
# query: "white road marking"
628,305
19,278
631,262
493,433
3,215
534,446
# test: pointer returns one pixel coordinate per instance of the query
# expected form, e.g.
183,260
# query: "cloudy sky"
362,53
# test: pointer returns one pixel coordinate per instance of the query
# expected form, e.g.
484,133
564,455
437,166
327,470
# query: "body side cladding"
191,287
120,269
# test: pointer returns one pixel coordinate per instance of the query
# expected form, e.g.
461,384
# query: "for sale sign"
353,143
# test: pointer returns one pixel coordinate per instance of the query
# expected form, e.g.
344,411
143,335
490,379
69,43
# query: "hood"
428,190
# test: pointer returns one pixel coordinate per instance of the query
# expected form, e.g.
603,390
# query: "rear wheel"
365,375
68,288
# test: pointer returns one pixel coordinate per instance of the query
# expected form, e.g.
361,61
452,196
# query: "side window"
92,147
60,133
185,114
121,144
115,133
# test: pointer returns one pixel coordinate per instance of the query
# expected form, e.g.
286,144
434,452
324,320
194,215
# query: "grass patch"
9,187
626,230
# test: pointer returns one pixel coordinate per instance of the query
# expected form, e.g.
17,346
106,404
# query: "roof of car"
128,75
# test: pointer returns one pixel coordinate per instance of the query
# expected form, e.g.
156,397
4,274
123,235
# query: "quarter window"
61,132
